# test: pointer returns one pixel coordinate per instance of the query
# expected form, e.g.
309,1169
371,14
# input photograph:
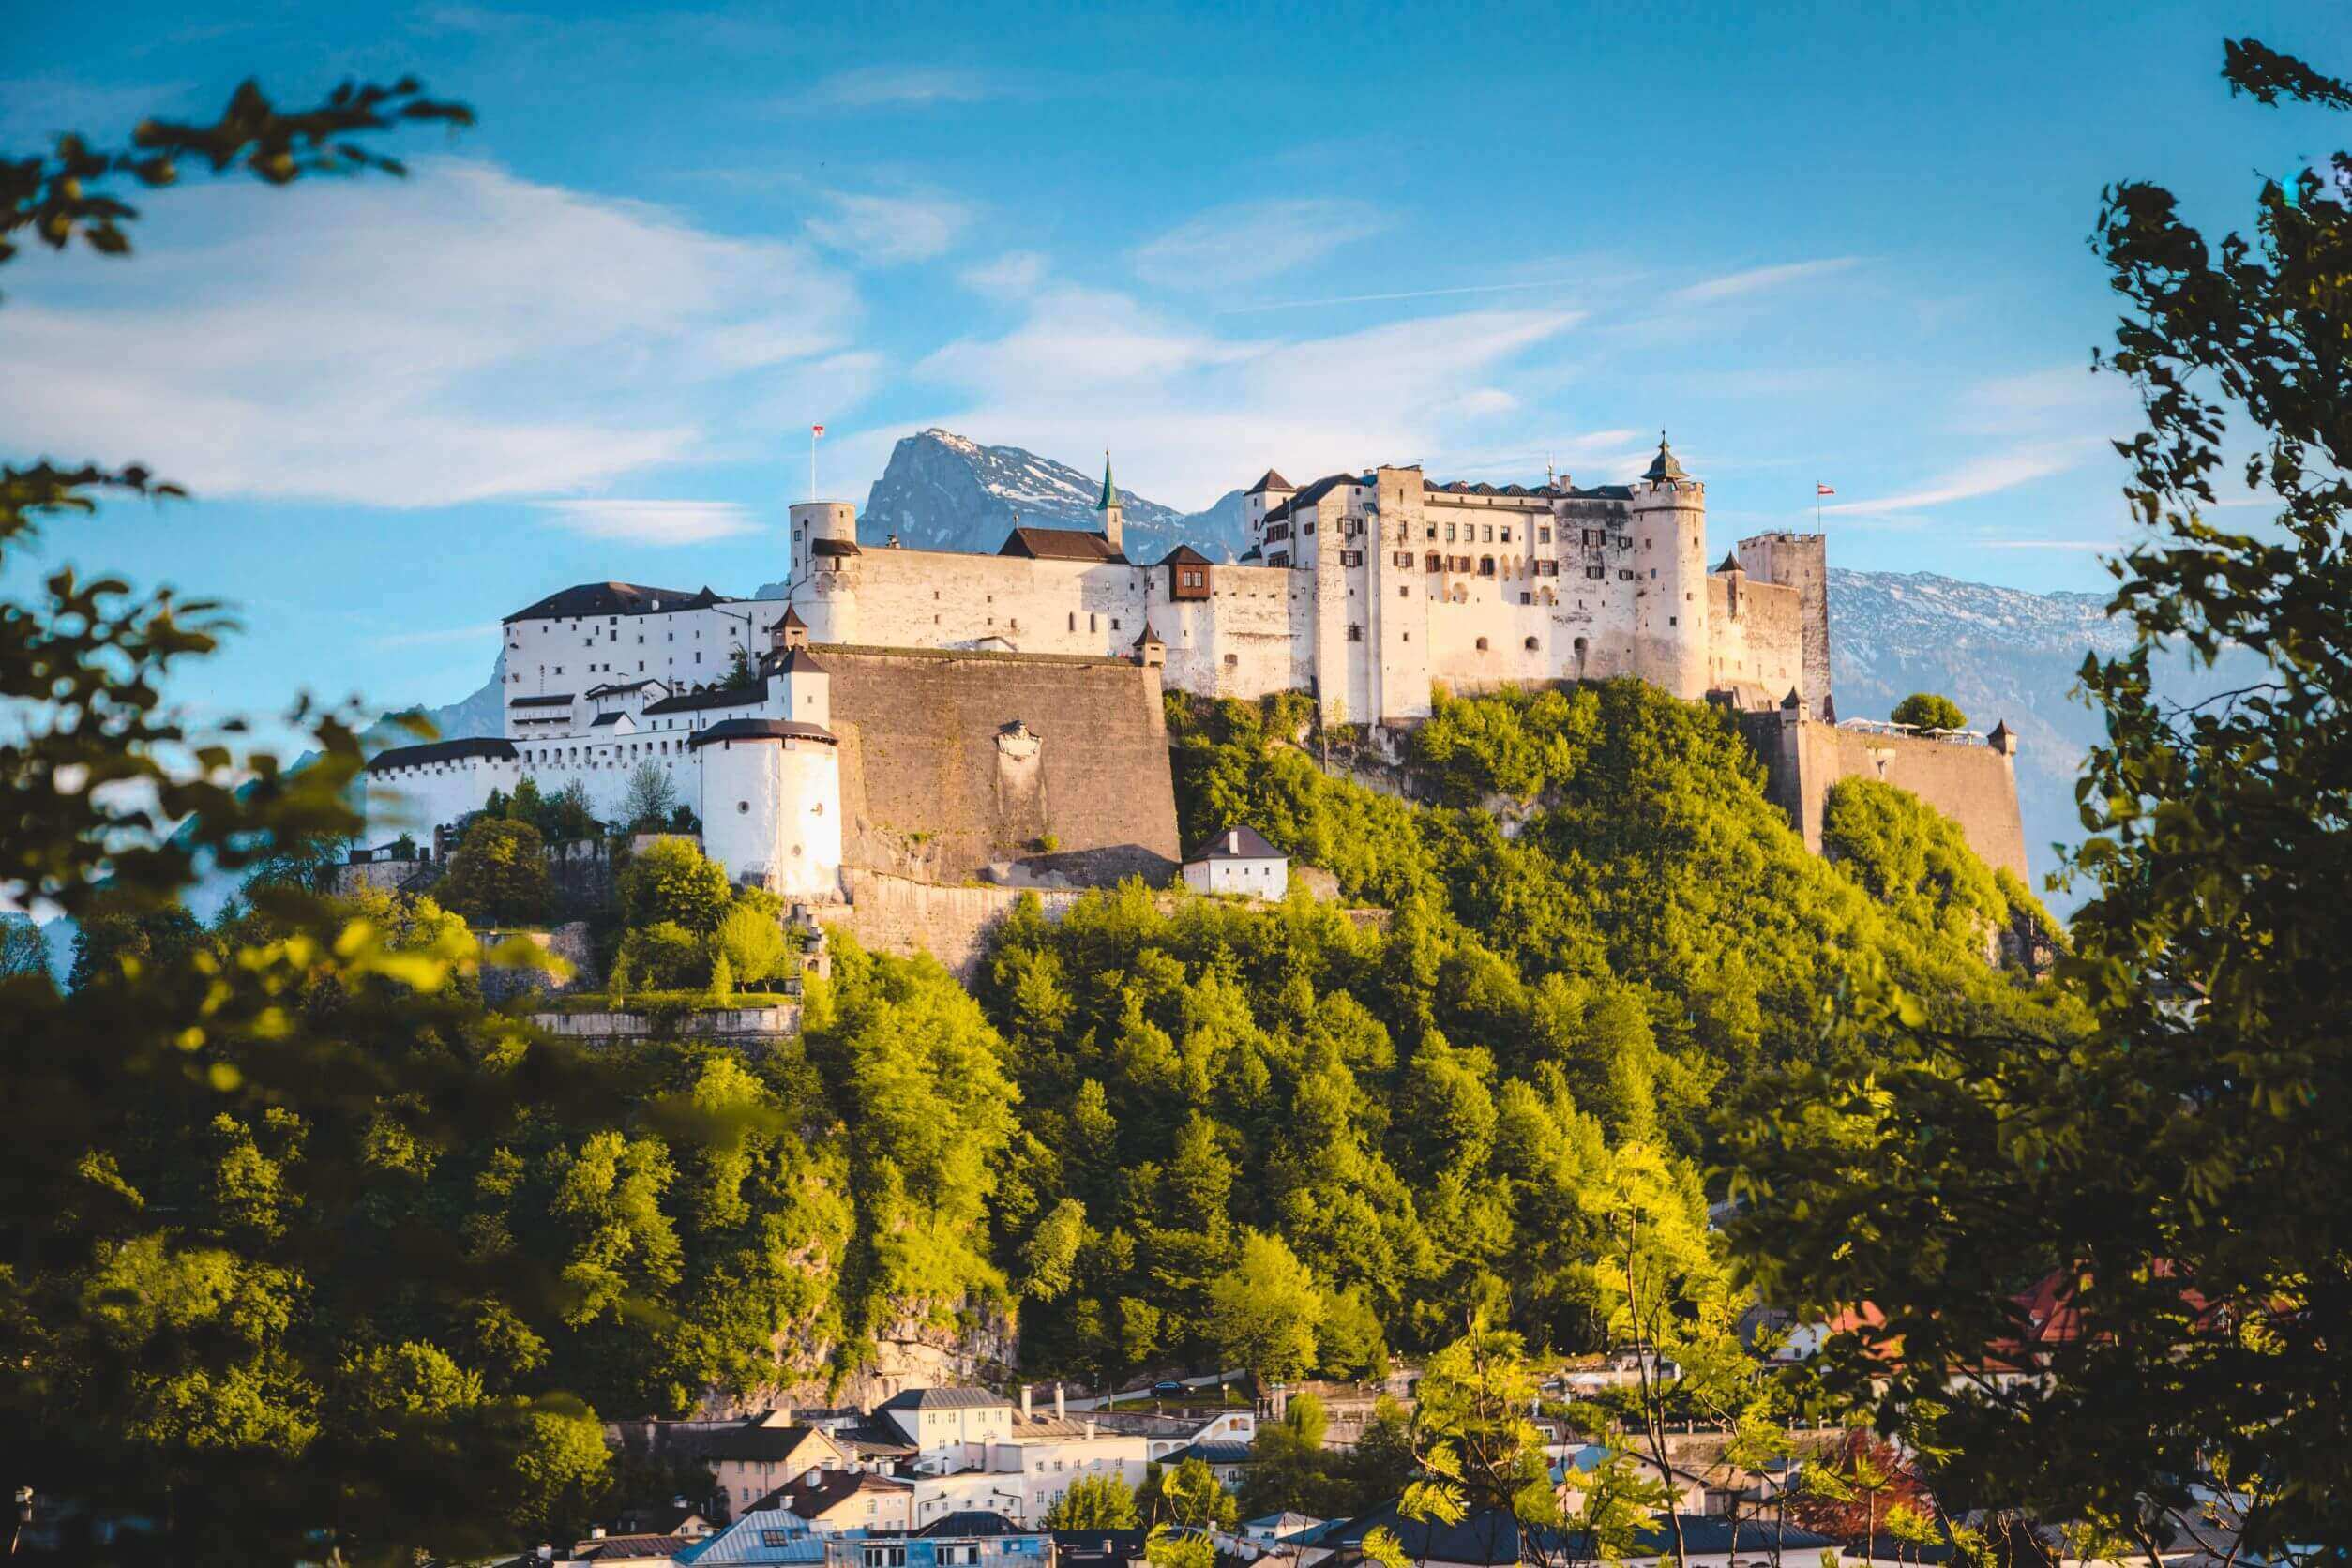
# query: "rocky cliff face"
941,491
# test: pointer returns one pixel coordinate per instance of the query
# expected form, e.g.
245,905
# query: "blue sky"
586,340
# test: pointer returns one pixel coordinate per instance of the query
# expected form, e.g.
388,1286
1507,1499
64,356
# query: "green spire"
1110,491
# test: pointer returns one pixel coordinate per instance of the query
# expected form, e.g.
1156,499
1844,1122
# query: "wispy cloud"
890,229
1011,276
899,87
2085,546
1186,409
651,523
1733,285
1985,476
459,335
1407,294
1249,241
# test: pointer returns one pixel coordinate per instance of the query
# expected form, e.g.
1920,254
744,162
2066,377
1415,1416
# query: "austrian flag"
1819,488
816,429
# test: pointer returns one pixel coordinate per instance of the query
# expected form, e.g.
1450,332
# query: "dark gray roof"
1216,1453
1313,493
969,1522
763,730
1098,1548
1236,843
611,598
617,687
800,661
752,1441
1060,544
943,1399
602,719
440,751
564,700
621,1548
834,547
1731,564
718,697
1663,466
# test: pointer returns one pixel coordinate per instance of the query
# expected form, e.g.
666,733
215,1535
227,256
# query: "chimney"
596,1533
1089,1426
1025,1415
1059,1414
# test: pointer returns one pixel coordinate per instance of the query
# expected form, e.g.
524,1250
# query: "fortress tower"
1798,561
824,535
1108,505
1669,565
771,803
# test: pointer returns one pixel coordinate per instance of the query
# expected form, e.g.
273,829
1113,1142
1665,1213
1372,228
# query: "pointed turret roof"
1148,637
1270,480
790,621
1663,466
1731,564
1110,491
1792,699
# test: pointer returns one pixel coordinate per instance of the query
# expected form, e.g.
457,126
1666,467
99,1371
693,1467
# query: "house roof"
834,547
618,688
1282,1523
1231,842
943,1399
1061,544
1270,480
831,1488
1184,555
761,1535
718,697
788,620
752,1441
1313,493
659,1518
440,751
800,661
763,730
1096,1548
1731,564
602,719
623,1548
1490,1536
562,699
972,1522
611,598
875,1442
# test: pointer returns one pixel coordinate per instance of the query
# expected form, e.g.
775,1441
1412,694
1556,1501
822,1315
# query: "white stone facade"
1370,590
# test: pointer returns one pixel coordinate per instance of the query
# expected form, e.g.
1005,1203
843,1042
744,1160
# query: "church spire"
1108,505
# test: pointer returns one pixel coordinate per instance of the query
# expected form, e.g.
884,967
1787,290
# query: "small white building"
1238,860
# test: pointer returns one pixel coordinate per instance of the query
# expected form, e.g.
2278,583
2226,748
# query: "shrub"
499,872
674,882
750,943
664,956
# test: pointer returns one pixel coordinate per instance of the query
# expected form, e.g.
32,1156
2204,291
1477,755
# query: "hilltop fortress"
934,715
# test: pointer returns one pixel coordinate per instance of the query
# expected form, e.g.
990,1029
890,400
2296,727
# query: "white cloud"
1249,241
2085,545
459,335
888,229
651,523
1482,401
1011,276
1184,411
2067,398
898,87
1757,279
2000,472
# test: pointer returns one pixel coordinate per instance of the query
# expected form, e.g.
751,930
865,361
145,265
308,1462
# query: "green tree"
231,1311
498,873
663,957
652,799
1189,1497
2163,1184
1928,710
1475,1441
753,943
23,951
1264,1310
674,880
1093,1502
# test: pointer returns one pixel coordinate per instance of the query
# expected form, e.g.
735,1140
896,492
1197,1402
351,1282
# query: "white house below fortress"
1367,589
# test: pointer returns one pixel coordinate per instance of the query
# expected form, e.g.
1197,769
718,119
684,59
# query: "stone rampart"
897,915
719,1024
954,759
1970,782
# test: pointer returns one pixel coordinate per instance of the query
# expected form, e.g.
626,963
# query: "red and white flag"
1819,488
816,429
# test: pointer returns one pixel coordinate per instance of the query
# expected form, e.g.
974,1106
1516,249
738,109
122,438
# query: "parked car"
1171,1389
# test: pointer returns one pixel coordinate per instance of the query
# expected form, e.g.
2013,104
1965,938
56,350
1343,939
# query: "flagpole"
812,462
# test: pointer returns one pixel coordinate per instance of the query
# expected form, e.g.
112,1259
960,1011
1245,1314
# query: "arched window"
1579,650
1482,644
1531,642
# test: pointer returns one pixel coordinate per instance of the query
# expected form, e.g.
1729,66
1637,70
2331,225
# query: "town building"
1238,860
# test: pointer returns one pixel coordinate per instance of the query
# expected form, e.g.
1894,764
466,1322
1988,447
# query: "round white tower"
1670,630
824,568
771,804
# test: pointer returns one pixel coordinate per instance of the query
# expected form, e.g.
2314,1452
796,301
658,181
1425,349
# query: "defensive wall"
1969,779
894,914
953,761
